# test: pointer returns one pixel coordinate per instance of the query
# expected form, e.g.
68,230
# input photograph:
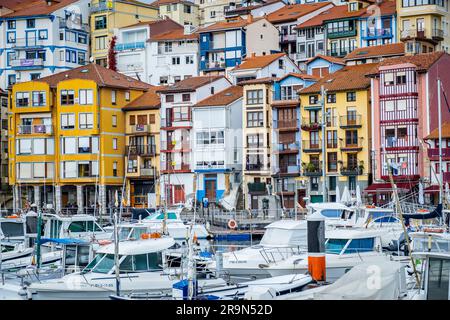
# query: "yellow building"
347,132
257,142
142,125
424,25
107,15
66,137
182,11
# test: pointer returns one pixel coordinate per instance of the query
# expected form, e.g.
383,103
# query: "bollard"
316,247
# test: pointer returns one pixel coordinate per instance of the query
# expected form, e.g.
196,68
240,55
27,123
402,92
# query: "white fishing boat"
281,239
141,271
345,248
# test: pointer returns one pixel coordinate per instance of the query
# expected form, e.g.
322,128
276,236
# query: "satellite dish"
91,59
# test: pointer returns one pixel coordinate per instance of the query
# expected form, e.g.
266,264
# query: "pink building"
404,112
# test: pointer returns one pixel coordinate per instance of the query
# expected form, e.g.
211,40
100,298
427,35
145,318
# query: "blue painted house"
378,29
321,65
286,137
224,44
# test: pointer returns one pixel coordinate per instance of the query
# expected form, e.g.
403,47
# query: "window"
210,137
255,141
86,120
351,138
402,132
34,76
211,90
113,96
331,98
68,121
11,37
255,119
100,43
314,99
132,120
176,79
100,22
152,119
212,14
82,38
186,97
81,58
388,79
168,47
401,77
22,99
67,97
43,34
280,64
163,80
351,96
254,97
114,143
189,60
169,98
181,113
332,161
85,96
11,79
11,24
114,121
187,9
115,169
31,23
142,119
332,139
127,95
175,60
39,98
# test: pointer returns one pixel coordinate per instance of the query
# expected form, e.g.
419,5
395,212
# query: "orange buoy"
145,236
232,224
104,242
155,235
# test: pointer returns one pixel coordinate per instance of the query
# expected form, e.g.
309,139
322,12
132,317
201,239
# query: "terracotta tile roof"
234,23
190,84
222,98
337,12
386,7
102,76
334,60
393,49
258,81
294,11
15,4
38,7
164,2
142,23
348,78
423,61
255,62
445,132
147,101
303,76
177,34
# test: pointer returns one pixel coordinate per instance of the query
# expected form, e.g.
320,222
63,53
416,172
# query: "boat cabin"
345,241
12,229
76,226
436,274
285,233
426,241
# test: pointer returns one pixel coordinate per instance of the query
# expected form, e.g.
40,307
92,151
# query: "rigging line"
445,97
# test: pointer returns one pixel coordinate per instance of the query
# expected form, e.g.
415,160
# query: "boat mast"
441,175
116,244
191,263
324,175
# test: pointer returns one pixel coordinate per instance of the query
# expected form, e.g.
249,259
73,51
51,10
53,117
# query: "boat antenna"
400,214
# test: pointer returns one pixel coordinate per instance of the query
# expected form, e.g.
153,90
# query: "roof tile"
190,84
294,11
393,49
255,62
222,98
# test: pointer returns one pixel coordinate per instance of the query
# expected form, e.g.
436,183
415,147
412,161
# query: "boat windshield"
102,263
124,232
160,216
336,246
12,229
283,237
422,244
142,262
382,217
330,213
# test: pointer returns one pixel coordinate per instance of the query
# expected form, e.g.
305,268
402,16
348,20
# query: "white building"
217,133
44,38
267,66
176,155
136,56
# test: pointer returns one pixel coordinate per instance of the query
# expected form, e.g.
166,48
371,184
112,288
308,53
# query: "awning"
432,189
387,187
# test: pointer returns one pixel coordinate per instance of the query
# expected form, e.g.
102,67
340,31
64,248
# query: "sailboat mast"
441,176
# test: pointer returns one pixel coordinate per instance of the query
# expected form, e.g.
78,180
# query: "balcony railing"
284,187
130,46
175,145
394,142
310,125
351,169
378,33
333,34
70,24
437,34
256,167
332,143
148,172
124,67
141,150
256,187
175,166
35,129
433,153
140,128
350,121
340,52
30,42
286,124
289,169
312,170
352,144
312,146
99,7
286,147
215,64
24,64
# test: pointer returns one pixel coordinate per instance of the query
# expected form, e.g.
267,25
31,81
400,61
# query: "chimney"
253,54
249,18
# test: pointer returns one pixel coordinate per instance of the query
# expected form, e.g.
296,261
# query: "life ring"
232,224
370,207
104,242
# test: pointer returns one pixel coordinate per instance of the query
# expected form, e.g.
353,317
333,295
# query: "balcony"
292,147
216,65
28,43
310,125
140,128
378,33
129,46
27,64
284,169
176,146
214,165
35,129
433,154
351,169
350,121
172,166
312,146
352,145
141,150
257,187
312,170
285,187
434,35
178,121
284,38
130,67
286,124
340,52
73,24
148,172
344,33
437,34
256,167
100,7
